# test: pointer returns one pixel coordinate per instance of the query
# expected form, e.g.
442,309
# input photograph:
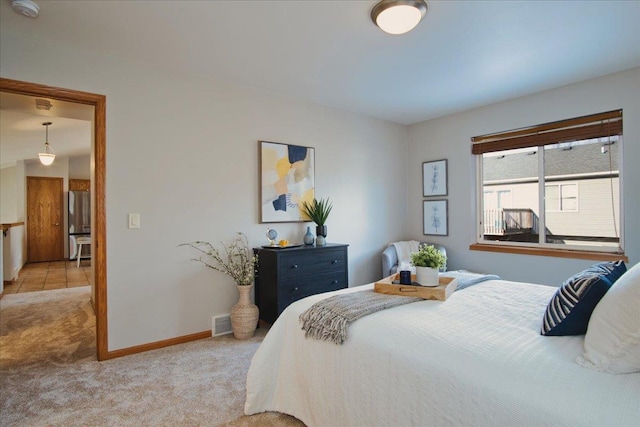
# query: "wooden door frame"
98,197
61,203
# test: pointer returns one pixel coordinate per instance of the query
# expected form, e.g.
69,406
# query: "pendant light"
46,157
398,16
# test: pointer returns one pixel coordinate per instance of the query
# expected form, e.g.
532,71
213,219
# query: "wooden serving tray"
441,292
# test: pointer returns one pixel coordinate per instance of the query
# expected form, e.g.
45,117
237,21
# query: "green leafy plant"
317,211
428,256
234,260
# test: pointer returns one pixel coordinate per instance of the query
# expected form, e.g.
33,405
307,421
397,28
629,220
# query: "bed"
475,359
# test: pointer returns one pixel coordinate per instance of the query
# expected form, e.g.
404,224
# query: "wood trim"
99,198
34,89
556,253
99,261
8,225
158,344
79,184
560,124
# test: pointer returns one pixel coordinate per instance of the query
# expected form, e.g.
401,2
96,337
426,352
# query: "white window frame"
542,244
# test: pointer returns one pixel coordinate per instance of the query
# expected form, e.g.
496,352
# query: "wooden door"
45,222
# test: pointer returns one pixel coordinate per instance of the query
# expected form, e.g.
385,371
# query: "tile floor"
42,276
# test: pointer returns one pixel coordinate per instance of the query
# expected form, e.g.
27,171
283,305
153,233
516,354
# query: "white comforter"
476,359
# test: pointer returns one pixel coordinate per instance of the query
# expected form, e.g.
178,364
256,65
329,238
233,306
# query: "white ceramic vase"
427,276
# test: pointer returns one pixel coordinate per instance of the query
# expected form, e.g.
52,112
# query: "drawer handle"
295,289
335,282
294,266
335,261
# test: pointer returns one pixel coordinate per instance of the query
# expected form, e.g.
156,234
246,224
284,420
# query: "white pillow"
612,341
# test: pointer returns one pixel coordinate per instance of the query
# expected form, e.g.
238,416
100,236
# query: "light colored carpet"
50,375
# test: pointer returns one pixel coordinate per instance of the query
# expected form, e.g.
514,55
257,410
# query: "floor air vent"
220,325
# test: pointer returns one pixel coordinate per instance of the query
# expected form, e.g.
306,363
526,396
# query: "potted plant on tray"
318,212
428,260
236,261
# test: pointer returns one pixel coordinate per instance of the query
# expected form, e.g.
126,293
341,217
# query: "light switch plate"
134,220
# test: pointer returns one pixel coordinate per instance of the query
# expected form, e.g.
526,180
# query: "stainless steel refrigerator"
79,220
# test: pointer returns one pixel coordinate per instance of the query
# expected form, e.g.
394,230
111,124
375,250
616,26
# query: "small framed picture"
435,215
434,178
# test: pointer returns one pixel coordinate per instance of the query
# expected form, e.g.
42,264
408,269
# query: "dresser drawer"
284,276
295,289
304,264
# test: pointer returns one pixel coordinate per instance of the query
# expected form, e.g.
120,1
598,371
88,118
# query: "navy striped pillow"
570,308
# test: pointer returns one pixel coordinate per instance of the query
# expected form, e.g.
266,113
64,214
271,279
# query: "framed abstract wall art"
287,178
435,215
434,178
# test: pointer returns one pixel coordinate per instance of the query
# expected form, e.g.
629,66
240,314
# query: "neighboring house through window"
553,186
561,197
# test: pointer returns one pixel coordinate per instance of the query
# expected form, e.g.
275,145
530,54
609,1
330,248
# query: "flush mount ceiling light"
398,16
26,7
46,157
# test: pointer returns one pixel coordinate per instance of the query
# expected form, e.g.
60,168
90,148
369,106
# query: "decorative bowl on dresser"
285,275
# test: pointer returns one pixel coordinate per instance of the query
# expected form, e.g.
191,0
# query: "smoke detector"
26,7
43,104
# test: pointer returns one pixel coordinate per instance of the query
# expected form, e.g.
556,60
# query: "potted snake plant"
318,211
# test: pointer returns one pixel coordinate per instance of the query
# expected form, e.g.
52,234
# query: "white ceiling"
464,54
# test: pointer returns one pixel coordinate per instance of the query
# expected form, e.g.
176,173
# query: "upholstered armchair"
390,259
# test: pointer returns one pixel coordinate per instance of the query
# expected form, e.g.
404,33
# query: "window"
553,186
561,197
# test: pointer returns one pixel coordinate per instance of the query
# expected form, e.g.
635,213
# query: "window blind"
600,125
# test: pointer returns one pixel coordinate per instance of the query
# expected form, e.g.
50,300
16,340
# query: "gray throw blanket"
328,319
466,278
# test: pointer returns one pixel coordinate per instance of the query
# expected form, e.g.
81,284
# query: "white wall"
8,200
12,259
80,166
8,214
21,192
58,169
13,242
449,138
182,152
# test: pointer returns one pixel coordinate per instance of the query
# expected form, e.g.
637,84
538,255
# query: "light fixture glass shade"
47,156
398,16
